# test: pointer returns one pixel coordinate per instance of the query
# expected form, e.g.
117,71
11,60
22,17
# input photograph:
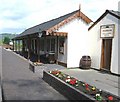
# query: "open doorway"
106,54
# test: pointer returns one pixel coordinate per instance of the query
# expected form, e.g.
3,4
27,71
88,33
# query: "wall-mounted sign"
107,31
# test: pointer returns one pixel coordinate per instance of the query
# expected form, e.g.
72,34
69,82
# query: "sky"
18,15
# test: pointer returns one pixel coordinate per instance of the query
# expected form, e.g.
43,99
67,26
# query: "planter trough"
79,91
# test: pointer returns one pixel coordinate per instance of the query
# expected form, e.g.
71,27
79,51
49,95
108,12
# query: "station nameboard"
107,31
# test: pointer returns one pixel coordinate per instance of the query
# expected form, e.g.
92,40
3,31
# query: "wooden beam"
84,17
57,47
45,44
28,44
38,48
13,44
16,45
35,46
59,34
23,45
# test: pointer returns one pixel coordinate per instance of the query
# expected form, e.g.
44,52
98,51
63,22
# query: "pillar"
38,48
23,45
45,45
16,45
35,46
13,44
28,44
56,48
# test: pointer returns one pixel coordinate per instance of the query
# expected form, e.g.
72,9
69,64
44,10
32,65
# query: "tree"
6,40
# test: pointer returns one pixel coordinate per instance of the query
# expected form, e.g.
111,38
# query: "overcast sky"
18,15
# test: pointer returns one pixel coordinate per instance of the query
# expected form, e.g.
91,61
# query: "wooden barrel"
85,62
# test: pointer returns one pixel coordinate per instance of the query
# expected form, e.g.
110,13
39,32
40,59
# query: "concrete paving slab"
0,73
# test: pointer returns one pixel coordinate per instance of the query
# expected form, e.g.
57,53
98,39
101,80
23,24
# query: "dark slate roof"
46,25
113,13
117,13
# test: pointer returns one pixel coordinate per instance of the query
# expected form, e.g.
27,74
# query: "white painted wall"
81,42
119,39
77,44
95,43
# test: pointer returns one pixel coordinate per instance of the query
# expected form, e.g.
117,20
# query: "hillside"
2,35
6,35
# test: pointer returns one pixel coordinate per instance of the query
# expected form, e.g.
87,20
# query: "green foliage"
6,40
0,42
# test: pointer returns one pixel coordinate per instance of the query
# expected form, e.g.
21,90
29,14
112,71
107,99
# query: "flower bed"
92,91
37,63
34,66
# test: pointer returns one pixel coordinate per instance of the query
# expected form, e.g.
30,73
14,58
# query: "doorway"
106,54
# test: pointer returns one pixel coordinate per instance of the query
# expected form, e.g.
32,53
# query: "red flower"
67,80
55,72
110,98
73,81
86,85
87,89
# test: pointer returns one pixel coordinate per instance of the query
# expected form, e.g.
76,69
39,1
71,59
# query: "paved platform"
104,81
19,83
101,80
0,73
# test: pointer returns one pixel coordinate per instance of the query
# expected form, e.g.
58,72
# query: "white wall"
77,44
119,39
95,43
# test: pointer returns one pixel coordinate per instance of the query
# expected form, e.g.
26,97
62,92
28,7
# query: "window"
51,45
61,45
48,45
32,44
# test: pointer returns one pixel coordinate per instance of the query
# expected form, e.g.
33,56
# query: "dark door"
106,53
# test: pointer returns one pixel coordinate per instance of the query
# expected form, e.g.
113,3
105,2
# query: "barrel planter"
85,62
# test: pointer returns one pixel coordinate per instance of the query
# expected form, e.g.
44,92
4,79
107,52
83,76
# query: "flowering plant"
98,94
37,63
55,72
71,80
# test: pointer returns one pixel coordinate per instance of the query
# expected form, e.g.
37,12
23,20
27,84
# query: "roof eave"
98,20
78,14
104,14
